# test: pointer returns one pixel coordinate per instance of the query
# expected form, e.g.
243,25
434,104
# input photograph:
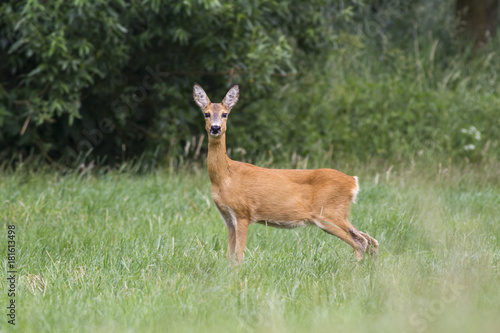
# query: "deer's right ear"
232,97
200,97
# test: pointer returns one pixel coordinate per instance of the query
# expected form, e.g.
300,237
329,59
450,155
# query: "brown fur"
246,194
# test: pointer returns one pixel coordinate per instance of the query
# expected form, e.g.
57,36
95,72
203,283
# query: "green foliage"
403,107
121,252
67,65
111,81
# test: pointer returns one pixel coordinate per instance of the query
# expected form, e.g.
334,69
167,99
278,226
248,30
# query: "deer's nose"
214,129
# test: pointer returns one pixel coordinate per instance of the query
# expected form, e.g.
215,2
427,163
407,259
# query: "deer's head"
215,113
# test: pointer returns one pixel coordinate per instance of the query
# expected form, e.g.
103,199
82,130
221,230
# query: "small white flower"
469,147
472,131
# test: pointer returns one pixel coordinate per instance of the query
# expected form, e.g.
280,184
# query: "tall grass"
127,252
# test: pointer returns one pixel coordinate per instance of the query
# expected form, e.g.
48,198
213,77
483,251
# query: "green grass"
123,252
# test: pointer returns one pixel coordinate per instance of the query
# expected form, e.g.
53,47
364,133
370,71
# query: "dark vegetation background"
107,82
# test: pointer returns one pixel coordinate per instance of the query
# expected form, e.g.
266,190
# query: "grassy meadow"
123,252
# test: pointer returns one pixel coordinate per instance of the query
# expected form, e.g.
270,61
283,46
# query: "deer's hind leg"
372,245
344,230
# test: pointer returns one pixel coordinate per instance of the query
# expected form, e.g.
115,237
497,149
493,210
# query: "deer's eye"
224,115
207,115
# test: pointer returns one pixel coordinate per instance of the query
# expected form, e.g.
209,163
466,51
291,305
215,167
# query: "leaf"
121,28
37,70
17,45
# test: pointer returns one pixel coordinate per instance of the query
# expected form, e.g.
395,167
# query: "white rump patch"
355,190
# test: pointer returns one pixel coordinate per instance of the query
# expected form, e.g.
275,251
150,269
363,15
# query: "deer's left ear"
232,97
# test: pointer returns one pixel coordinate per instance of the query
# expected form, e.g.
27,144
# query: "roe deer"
245,193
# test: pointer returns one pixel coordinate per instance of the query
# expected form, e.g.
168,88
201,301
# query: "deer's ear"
200,97
232,97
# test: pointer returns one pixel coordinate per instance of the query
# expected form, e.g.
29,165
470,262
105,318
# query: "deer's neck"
217,161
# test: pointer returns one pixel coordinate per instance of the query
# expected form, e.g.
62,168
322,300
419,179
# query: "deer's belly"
285,224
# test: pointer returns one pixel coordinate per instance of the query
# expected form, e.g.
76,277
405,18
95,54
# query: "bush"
389,106
110,81
69,66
